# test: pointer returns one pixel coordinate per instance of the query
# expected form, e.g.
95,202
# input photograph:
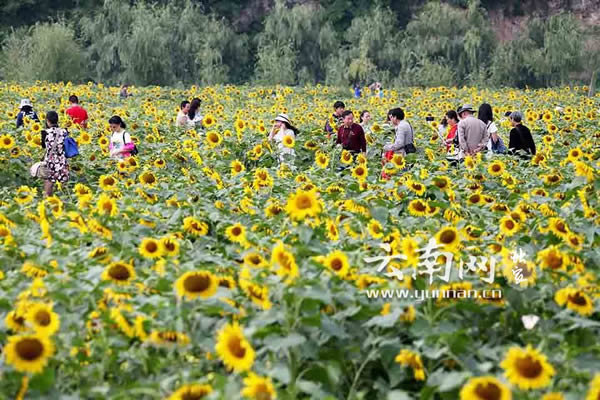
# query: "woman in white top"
121,144
363,120
194,116
486,114
282,127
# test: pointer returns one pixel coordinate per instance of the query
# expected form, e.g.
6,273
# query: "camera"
429,119
507,114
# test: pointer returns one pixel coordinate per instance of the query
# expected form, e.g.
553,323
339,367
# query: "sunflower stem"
358,373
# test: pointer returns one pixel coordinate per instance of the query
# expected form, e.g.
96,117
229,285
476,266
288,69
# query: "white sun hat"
24,102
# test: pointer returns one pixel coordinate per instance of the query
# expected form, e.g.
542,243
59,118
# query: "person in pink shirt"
77,113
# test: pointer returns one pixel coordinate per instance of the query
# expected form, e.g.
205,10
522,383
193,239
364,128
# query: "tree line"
181,43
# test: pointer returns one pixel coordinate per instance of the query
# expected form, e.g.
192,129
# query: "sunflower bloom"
43,319
194,284
233,349
485,388
191,392
527,368
28,353
411,359
576,300
258,388
303,204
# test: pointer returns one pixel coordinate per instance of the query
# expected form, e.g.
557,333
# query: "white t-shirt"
279,139
491,128
116,141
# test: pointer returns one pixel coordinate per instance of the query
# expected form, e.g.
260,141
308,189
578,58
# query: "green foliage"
46,52
442,35
338,42
293,44
546,54
162,44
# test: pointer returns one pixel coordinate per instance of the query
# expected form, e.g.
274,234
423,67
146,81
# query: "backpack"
134,151
71,149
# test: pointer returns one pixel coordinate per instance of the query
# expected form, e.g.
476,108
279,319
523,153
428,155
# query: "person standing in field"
495,143
472,132
78,114
55,160
451,124
351,135
121,144
336,117
404,134
194,113
26,111
124,93
284,134
520,138
182,119
363,120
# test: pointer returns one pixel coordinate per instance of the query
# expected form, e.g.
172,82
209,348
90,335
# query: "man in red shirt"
77,113
351,135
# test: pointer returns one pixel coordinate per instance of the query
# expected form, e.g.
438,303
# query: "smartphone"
429,119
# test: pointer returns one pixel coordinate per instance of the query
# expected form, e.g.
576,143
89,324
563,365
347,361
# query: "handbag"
39,170
410,148
133,151
71,149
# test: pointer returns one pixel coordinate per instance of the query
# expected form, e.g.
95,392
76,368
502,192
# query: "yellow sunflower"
594,393
288,141
234,350
449,238
28,353
527,368
6,142
576,300
337,261
360,172
194,284
552,258
375,229
148,179
258,388
169,246
303,204
194,226
191,391
25,195
236,167
208,120
408,358
236,233
43,319
346,157
322,160
496,168
485,388
213,139
508,226
150,248
106,205
119,272
283,261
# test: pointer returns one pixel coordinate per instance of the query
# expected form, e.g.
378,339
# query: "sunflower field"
206,268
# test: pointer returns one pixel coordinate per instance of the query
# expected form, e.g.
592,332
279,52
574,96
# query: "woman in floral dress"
53,140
